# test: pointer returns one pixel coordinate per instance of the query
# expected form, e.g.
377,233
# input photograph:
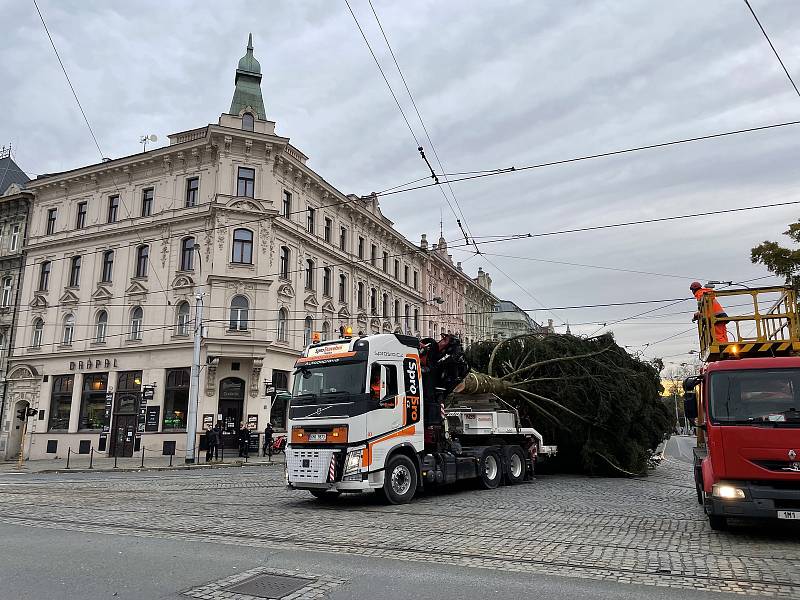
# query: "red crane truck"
746,402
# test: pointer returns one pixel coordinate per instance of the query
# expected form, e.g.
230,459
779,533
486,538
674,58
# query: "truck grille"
309,465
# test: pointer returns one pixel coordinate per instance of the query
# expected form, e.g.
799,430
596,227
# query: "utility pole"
194,386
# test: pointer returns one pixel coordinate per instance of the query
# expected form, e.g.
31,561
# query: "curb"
140,469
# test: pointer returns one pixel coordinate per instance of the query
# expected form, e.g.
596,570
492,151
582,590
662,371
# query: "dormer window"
248,122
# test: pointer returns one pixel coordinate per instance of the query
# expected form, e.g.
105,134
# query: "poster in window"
152,418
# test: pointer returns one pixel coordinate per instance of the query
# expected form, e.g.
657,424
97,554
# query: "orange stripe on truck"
366,453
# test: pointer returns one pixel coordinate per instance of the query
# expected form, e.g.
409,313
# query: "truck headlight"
352,462
728,492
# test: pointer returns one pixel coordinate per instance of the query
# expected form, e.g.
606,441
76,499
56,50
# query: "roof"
11,173
733,364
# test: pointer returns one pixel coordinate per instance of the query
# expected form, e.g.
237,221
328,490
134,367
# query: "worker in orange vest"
720,333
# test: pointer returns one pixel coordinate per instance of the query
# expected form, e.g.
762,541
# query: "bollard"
170,460
69,451
115,459
143,449
91,458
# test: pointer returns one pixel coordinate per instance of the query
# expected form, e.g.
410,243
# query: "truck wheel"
399,480
515,464
489,470
699,489
718,522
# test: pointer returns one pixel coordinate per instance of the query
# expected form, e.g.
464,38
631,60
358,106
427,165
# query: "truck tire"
515,465
400,480
718,522
490,469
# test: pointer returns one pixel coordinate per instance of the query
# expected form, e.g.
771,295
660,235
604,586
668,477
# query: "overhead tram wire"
771,45
514,169
465,225
91,131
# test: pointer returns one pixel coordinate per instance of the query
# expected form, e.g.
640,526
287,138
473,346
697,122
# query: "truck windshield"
312,383
756,397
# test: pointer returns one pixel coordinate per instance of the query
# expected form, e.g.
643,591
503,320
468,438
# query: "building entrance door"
123,432
231,407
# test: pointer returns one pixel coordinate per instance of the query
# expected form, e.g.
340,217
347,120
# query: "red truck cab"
746,402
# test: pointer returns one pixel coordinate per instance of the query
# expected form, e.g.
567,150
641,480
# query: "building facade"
456,303
509,320
229,215
14,204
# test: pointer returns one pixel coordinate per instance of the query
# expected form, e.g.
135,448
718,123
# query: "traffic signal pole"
194,386
21,458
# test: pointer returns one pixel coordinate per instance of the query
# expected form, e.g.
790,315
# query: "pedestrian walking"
244,440
268,440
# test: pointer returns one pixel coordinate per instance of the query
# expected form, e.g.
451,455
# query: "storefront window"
176,398
60,402
93,401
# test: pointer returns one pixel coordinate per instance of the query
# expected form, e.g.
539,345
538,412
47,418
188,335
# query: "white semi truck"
367,413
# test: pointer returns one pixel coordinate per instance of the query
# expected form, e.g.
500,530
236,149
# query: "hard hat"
695,285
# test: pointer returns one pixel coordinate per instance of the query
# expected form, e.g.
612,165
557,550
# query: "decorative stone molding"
227,141
255,376
286,290
248,147
211,380
168,163
196,156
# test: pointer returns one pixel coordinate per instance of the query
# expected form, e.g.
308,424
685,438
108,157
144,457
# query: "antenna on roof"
147,138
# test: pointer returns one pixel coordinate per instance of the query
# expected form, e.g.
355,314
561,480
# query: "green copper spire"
248,84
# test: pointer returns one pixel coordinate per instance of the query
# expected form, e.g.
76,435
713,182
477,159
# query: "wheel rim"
516,466
491,467
401,480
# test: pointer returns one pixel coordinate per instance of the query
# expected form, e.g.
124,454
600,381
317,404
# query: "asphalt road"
159,535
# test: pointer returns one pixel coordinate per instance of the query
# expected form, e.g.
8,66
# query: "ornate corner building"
119,252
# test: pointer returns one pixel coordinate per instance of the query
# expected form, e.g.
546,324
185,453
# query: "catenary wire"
771,45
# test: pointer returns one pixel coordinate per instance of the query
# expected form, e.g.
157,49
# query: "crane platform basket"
758,322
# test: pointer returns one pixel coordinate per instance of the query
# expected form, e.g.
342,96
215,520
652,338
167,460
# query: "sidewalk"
79,463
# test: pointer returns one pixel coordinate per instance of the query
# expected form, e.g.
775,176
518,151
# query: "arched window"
326,281
248,122
407,313
44,276
38,331
242,246
342,287
284,262
69,330
326,331
283,319
101,327
75,271
187,254
182,324
360,295
308,326
239,308
142,256
108,266
385,307
7,281
2,344
416,320
309,274
397,311
137,315
373,301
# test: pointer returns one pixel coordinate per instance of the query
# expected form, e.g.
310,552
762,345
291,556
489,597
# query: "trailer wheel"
400,480
515,464
490,469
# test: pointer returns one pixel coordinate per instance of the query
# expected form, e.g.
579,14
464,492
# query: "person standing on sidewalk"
268,440
209,442
244,441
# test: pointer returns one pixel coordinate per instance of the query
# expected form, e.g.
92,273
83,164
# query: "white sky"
498,84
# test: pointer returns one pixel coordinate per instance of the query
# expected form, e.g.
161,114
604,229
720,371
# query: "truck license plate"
789,514
317,437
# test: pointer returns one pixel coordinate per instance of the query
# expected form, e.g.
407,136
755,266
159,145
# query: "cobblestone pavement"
647,531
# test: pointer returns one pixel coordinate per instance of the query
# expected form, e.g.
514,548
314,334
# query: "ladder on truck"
760,322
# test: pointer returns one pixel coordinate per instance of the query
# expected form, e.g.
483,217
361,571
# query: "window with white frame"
101,327
283,325
239,309
68,334
38,333
14,238
182,323
7,287
137,317
308,327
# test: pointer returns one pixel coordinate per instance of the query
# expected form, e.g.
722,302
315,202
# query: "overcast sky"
498,84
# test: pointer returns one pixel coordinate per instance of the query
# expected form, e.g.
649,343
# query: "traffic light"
22,414
31,412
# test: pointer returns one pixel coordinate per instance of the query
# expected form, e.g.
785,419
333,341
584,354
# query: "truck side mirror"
690,405
691,382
